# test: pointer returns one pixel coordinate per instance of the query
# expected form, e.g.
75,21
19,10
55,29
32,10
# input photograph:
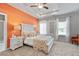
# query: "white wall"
74,21
51,25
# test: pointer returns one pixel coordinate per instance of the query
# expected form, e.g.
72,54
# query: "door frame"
5,32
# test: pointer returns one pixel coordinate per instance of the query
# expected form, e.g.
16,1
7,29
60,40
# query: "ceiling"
54,9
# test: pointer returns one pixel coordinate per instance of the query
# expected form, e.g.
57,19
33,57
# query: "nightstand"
16,42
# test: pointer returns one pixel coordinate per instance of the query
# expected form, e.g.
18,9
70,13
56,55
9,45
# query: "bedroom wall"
16,17
48,20
51,25
74,21
74,26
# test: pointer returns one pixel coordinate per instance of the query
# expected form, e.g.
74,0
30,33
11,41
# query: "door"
3,32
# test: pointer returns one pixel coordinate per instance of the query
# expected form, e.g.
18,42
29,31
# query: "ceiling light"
40,6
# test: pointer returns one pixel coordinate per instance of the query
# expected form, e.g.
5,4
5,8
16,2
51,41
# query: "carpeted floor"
58,49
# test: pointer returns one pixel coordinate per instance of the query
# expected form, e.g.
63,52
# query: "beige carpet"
58,49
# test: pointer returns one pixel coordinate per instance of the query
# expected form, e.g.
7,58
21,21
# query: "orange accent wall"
16,17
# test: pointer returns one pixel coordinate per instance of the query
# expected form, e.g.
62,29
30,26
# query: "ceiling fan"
39,5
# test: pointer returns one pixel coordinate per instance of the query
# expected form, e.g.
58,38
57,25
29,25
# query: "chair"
75,40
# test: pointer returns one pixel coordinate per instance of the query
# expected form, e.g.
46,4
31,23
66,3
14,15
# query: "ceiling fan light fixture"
40,6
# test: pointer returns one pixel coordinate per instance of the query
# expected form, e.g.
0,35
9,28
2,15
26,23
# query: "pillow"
29,34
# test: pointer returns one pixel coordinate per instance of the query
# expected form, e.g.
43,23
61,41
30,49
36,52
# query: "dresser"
16,42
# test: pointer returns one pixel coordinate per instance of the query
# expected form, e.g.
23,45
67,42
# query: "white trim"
5,29
2,13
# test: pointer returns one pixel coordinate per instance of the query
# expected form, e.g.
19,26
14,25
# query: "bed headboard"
27,28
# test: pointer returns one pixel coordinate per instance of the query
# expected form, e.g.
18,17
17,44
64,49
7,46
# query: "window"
43,28
62,28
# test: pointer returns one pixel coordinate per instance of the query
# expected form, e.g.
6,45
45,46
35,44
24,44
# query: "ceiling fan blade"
45,7
44,3
33,6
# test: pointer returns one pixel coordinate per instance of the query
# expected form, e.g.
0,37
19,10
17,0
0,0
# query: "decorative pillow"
29,34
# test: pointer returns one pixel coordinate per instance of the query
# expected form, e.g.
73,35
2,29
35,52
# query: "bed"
28,31
43,43
40,42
